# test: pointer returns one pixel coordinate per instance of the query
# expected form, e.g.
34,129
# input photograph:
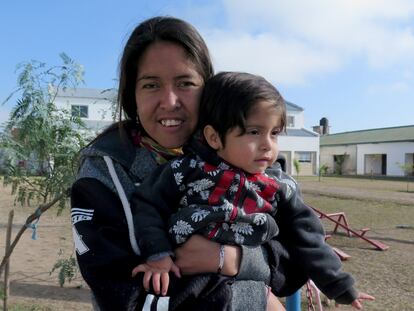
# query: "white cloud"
277,59
393,88
291,41
400,86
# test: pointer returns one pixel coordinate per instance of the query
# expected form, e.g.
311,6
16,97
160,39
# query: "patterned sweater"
199,193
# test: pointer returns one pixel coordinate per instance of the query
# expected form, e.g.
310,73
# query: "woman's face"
167,94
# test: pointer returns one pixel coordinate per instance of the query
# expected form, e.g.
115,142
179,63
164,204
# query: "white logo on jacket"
81,214
80,246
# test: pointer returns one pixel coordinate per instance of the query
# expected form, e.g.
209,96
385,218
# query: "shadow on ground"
32,290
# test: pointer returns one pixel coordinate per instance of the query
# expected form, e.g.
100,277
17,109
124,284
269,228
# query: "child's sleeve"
303,237
151,205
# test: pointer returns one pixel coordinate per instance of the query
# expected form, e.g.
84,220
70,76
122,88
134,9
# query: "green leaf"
40,140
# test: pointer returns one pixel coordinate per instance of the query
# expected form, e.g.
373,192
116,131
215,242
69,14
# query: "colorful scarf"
161,155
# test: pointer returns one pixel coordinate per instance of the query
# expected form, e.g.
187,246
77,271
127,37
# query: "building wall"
287,155
396,153
98,109
350,163
409,160
306,168
288,145
373,164
299,119
363,158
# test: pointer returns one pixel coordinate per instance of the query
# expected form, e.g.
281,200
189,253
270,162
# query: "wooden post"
7,267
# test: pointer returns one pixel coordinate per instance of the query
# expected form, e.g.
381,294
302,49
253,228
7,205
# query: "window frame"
290,121
304,156
81,111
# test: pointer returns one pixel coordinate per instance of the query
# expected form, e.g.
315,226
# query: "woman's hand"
200,255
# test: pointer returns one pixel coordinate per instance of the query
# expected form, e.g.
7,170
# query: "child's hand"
361,296
273,304
157,270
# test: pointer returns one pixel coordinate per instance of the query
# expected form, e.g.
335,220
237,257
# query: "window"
290,121
79,111
304,157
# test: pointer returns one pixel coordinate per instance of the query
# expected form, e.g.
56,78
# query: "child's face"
257,148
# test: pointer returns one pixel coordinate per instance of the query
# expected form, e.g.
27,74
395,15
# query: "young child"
225,189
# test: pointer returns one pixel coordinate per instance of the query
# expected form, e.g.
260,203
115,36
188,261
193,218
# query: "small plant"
323,170
67,270
408,169
296,164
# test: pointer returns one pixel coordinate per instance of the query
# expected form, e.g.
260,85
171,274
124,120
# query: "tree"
41,141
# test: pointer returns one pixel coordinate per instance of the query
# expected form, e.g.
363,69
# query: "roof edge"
288,103
366,143
370,130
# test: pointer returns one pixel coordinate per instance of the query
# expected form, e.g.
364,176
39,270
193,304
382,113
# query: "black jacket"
200,193
106,258
274,194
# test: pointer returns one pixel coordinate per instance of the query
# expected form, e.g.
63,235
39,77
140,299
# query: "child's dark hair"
228,97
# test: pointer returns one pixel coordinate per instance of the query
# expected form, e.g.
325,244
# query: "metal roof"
292,107
300,132
380,135
87,93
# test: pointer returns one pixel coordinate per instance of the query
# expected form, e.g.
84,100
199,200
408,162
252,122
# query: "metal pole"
293,302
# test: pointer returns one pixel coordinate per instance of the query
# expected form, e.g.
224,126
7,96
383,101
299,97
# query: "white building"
299,143
96,109
381,151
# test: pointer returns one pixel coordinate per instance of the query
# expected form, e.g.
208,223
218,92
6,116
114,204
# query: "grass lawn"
381,205
388,210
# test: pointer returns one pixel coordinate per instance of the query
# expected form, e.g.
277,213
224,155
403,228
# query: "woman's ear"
212,137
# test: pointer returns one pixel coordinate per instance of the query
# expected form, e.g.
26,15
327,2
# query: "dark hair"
148,32
153,30
228,97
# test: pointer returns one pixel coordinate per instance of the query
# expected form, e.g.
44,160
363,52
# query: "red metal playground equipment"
312,292
340,221
293,302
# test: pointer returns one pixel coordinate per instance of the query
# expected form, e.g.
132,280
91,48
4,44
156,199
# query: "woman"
162,72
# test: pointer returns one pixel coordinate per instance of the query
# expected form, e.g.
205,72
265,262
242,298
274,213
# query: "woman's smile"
171,122
167,94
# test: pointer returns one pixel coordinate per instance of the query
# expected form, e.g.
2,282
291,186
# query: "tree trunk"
7,268
39,211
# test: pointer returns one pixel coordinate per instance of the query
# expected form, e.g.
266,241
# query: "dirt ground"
387,275
32,260
388,210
